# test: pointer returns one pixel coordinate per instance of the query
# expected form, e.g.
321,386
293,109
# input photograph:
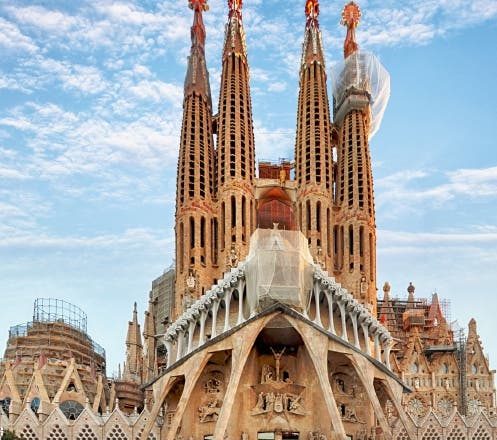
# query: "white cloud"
12,39
278,86
404,190
47,20
130,238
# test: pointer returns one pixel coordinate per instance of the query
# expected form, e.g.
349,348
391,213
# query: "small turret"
133,367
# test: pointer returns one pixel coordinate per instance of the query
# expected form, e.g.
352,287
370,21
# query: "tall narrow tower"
355,230
313,147
235,145
196,253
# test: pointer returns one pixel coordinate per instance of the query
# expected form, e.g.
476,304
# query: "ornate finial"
312,11
351,16
198,28
386,287
198,5
410,288
235,7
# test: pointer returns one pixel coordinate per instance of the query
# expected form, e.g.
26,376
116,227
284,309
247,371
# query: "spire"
235,144
313,144
410,292
133,367
351,17
197,76
312,48
234,39
195,178
386,313
149,342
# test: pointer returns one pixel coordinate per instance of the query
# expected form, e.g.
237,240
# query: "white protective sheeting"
279,267
364,72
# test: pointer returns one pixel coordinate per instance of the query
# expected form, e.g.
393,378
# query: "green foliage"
9,435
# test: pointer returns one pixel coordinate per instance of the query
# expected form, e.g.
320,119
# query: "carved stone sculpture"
210,412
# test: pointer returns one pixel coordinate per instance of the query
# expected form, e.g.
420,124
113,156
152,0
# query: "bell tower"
235,145
195,228
355,229
313,144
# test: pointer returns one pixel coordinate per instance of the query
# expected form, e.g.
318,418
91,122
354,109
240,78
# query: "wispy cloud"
12,39
405,189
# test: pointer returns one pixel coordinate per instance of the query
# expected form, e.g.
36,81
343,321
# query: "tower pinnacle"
351,16
197,76
312,12
235,7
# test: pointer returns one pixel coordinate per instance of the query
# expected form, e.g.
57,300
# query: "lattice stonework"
481,434
431,433
86,433
403,435
56,433
28,434
456,434
151,436
116,433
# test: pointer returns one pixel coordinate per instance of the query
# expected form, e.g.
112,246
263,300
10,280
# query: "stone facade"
269,327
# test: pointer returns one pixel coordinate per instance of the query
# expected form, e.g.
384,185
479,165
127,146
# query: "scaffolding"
462,360
400,315
57,310
56,325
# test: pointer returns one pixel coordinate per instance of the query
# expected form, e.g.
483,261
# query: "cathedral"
270,325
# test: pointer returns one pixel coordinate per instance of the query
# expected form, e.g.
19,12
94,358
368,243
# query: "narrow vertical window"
308,214
202,232
181,248
223,225
192,233
351,240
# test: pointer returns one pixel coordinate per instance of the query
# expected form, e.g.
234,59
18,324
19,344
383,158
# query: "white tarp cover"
363,71
279,267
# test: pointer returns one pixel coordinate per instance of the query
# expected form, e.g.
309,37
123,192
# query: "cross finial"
312,10
235,7
351,16
198,5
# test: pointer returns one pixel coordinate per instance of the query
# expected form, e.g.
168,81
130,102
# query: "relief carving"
276,392
210,412
316,435
348,393
214,390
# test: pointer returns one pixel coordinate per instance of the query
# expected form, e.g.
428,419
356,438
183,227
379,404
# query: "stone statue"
277,358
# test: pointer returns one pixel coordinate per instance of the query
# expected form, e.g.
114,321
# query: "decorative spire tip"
312,11
351,16
198,5
235,7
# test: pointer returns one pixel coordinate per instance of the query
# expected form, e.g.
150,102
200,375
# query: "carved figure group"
210,412
278,402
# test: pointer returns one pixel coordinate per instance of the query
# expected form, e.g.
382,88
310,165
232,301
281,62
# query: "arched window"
5,404
35,404
71,409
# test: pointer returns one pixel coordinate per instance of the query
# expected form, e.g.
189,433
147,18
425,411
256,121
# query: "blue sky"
90,109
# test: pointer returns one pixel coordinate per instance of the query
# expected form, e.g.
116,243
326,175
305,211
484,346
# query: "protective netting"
363,71
278,267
